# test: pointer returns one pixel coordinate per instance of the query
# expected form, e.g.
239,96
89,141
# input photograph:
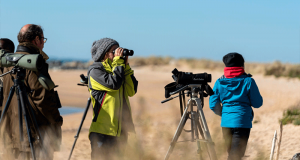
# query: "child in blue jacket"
237,92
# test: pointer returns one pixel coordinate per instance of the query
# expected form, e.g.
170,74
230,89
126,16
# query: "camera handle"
11,71
180,89
166,100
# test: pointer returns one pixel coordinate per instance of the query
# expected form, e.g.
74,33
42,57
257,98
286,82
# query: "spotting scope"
32,62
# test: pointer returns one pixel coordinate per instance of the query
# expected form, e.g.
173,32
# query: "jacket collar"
31,49
107,64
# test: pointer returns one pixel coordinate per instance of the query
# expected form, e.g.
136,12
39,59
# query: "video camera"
184,79
190,78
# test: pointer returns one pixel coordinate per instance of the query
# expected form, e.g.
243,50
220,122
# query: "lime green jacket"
110,84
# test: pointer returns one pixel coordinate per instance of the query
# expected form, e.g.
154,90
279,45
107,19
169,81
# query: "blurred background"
191,36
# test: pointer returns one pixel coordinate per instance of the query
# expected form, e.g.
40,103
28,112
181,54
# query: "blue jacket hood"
231,84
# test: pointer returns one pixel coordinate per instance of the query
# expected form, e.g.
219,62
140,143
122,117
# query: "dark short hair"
7,44
30,34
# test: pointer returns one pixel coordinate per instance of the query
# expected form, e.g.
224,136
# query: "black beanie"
233,59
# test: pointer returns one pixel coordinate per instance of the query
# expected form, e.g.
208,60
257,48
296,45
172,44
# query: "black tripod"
198,122
84,82
24,107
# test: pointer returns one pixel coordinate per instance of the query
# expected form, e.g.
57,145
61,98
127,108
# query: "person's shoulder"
96,67
248,76
249,79
221,78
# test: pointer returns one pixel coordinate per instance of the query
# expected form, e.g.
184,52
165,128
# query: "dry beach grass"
156,123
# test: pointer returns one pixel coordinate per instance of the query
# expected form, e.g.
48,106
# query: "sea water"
65,110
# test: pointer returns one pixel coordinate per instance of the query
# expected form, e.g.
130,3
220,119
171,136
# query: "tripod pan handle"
166,100
179,90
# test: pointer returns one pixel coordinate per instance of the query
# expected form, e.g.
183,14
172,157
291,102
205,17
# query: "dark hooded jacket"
44,104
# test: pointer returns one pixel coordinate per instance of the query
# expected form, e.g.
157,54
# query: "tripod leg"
195,118
199,126
11,93
20,116
201,131
31,114
83,118
33,119
26,122
192,126
178,132
207,136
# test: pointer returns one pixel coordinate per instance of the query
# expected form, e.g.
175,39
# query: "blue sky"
262,31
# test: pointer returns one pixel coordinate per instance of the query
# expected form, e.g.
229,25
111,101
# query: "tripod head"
83,80
15,70
193,90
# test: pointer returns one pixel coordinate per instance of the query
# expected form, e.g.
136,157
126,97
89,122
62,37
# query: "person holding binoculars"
110,81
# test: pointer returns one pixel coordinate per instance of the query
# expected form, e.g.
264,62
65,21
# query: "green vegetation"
291,115
283,70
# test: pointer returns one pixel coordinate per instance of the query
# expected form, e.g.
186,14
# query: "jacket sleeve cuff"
118,61
128,70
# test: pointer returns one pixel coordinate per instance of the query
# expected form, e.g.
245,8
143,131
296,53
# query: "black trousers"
105,147
236,141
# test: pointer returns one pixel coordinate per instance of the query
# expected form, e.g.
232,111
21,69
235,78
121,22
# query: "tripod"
24,107
198,122
84,82
79,129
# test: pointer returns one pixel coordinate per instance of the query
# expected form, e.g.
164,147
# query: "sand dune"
156,123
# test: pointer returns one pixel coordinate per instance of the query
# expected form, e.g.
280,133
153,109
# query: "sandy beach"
155,123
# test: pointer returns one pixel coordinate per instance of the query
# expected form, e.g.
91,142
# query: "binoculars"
126,52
